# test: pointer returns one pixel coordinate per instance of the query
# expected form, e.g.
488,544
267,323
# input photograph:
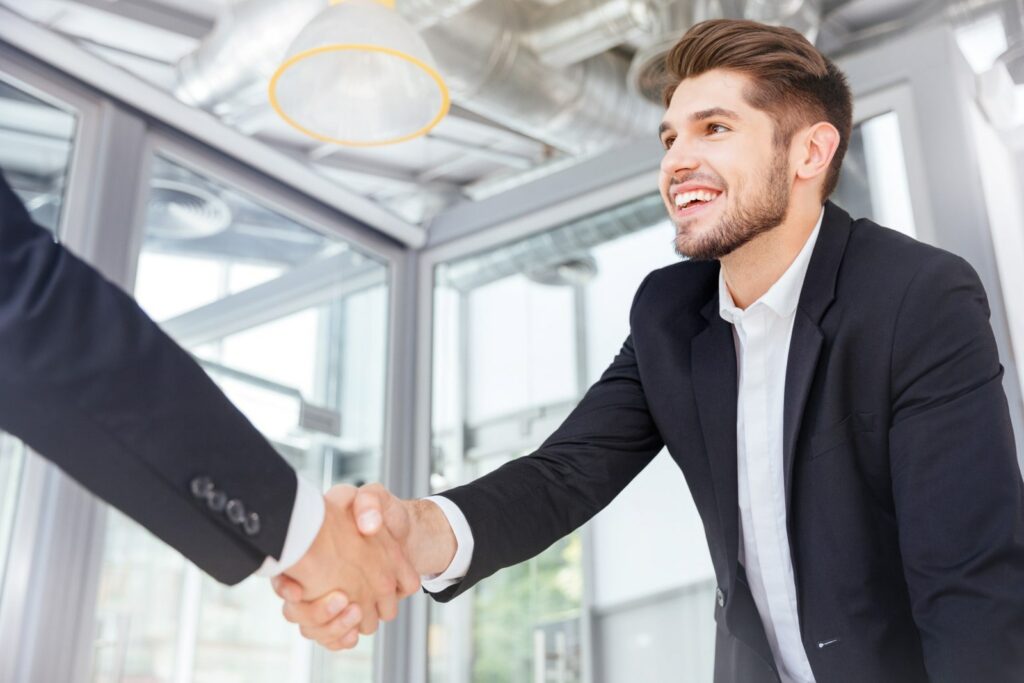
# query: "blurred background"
420,312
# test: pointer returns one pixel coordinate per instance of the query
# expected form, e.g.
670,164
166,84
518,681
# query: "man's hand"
372,571
424,538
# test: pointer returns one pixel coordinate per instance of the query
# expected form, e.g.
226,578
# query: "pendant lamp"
359,75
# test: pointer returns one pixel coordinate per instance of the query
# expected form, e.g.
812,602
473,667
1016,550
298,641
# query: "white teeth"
684,199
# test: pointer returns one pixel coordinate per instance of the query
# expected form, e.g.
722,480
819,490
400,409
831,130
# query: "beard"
765,210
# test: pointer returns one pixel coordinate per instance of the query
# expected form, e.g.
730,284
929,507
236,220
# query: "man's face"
723,179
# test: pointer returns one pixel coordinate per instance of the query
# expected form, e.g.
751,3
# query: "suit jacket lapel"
713,372
807,340
715,381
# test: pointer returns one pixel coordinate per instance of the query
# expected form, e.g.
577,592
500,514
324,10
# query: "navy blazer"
90,382
903,491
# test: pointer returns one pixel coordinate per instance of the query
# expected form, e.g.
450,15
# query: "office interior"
419,313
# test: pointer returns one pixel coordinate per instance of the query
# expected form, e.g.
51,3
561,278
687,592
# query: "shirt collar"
783,296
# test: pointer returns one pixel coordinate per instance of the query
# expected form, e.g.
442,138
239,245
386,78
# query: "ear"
814,154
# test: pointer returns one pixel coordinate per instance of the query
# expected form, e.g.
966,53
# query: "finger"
287,588
318,612
347,642
345,622
368,508
370,621
406,576
387,607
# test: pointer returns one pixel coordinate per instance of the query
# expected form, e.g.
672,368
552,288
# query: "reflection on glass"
520,332
35,151
291,323
873,183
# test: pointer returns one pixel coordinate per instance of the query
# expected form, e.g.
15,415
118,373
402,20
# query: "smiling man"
830,389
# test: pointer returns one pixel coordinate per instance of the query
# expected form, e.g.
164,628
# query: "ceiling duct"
578,109
578,29
558,256
478,49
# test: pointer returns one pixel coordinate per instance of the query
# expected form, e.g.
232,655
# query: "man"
830,389
90,382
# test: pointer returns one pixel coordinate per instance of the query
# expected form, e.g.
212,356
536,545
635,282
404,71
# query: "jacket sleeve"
518,510
91,383
956,480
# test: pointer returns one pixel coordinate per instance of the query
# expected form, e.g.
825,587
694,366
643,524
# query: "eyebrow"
713,112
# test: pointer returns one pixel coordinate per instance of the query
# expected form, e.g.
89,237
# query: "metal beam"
155,14
294,291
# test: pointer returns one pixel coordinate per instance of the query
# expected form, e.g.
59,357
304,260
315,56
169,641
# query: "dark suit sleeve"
90,382
956,481
529,503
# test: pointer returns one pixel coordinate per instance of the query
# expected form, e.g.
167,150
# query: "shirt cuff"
303,526
459,566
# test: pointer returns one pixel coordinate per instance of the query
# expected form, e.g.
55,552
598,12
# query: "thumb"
287,588
369,507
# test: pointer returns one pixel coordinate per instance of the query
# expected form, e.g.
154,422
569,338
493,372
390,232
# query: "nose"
678,158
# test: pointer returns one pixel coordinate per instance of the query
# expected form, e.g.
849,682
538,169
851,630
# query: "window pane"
873,183
520,332
292,324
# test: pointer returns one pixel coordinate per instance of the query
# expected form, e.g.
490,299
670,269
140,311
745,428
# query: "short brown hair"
791,80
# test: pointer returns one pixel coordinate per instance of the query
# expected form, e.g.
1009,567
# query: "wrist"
432,541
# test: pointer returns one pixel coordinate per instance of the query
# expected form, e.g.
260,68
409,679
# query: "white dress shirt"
762,334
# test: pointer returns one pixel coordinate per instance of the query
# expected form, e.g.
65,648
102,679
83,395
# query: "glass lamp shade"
359,75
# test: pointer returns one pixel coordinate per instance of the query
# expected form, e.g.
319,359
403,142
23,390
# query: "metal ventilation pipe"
577,29
578,109
248,43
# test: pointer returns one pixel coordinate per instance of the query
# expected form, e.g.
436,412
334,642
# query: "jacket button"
201,487
720,597
235,511
216,500
251,524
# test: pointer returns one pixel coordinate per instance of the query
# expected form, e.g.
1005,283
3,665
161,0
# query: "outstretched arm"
91,383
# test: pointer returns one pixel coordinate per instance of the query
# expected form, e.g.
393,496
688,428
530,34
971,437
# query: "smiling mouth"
688,203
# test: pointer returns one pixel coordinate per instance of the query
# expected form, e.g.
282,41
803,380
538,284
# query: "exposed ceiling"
486,144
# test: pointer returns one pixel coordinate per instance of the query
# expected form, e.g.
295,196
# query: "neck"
751,270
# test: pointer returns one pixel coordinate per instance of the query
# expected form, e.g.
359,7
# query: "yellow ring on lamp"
445,100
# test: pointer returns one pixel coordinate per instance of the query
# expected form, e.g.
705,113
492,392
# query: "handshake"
369,553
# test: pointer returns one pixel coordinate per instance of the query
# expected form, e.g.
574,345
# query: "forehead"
718,88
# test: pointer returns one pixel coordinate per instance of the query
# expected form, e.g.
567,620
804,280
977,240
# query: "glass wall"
292,323
520,332
36,139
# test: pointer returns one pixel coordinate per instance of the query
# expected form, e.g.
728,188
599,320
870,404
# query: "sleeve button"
216,500
201,487
235,511
251,524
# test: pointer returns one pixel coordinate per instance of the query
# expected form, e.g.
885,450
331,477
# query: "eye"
716,128
667,142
